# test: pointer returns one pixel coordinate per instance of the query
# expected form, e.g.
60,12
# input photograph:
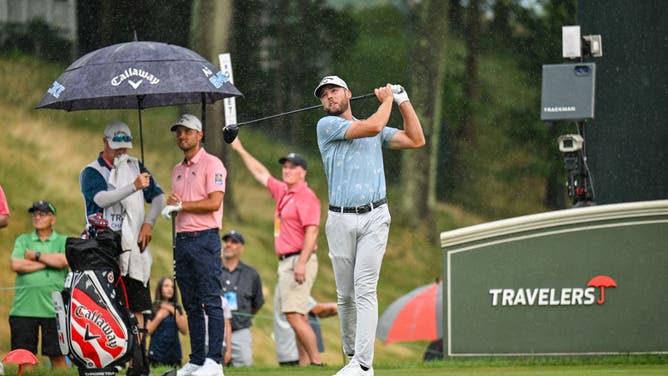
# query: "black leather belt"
359,209
283,257
194,234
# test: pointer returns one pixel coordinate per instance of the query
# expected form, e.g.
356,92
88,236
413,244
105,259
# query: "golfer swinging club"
358,221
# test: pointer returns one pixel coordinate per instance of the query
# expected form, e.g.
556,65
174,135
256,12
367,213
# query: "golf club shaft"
298,110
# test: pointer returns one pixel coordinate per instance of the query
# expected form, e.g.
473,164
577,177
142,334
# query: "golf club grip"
298,110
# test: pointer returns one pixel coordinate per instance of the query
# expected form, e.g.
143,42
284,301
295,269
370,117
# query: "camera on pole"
579,182
568,94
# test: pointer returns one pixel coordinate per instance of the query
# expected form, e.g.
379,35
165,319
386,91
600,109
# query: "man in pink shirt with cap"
198,187
296,223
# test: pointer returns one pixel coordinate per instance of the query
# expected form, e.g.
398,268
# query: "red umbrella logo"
602,281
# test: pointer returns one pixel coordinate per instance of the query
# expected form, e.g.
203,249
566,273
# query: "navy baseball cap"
43,206
236,236
295,158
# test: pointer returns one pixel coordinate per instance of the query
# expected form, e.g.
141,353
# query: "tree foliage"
102,23
35,38
472,69
281,49
418,178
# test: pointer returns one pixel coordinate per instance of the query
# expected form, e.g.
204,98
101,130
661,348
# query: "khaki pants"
294,297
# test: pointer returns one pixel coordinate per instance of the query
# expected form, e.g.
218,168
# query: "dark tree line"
102,23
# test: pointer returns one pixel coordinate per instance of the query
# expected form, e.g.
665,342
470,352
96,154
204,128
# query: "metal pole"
140,98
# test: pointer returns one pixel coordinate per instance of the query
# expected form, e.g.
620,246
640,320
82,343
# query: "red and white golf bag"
95,327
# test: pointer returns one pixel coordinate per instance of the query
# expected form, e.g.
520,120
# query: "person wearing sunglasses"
39,261
117,185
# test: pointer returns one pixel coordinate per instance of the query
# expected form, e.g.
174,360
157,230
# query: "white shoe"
354,369
187,369
209,368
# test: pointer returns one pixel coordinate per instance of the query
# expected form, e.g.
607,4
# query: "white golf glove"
169,209
400,95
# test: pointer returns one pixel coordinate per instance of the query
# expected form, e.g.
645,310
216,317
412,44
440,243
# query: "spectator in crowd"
434,350
243,292
296,226
284,336
4,209
227,337
166,322
39,261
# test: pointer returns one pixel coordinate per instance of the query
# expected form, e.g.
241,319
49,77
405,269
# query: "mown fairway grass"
610,365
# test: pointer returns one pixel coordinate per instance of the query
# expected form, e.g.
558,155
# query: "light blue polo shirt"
354,168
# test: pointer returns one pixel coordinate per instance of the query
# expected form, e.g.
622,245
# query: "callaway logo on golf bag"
95,327
98,335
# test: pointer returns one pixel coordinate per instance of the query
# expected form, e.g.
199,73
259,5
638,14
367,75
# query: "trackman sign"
566,296
559,109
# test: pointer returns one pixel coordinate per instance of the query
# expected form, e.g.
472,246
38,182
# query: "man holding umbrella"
198,187
116,185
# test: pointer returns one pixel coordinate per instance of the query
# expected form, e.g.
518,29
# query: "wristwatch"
37,255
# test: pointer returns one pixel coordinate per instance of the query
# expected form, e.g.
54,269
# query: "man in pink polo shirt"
296,222
198,187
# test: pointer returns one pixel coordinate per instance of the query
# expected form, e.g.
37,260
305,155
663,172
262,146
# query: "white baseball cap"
329,80
188,121
118,135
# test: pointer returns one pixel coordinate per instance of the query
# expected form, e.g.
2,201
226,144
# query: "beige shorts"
293,296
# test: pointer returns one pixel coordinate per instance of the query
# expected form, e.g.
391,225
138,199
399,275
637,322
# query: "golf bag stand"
96,329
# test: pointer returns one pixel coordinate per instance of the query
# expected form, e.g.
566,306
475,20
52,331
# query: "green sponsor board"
574,282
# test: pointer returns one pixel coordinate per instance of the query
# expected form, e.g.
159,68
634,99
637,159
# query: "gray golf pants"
356,247
242,348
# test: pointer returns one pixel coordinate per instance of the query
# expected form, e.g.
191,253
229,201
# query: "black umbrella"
138,75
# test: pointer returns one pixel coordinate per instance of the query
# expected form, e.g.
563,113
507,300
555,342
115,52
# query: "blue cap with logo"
236,236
